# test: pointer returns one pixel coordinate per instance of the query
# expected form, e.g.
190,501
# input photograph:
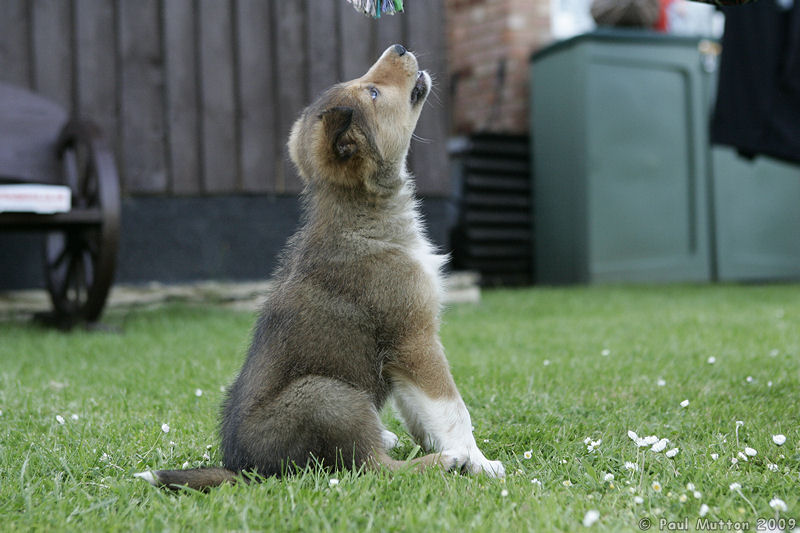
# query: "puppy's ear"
338,123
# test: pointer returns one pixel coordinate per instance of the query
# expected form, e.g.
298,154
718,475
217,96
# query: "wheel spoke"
70,168
80,280
64,290
88,269
56,256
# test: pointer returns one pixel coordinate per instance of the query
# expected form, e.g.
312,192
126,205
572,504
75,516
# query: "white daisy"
546,362
682,498
185,465
779,439
711,360
772,467
703,510
198,392
590,518
535,481
672,453
734,460
735,486
165,428
715,456
690,486
742,456
656,486
606,352
74,417
504,493
567,483
631,466
697,495
60,419
661,382
608,477
685,403
750,452
333,482
638,500
660,446
528,454
749,379
778,504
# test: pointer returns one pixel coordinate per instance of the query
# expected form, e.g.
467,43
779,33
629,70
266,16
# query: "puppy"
353,317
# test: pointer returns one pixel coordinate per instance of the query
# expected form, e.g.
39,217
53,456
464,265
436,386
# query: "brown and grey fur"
354,314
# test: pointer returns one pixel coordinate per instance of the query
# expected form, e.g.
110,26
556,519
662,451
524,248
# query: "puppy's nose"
399,49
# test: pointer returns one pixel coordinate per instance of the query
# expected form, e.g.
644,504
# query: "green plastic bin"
626,187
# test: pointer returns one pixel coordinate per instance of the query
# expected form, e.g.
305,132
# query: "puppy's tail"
194,478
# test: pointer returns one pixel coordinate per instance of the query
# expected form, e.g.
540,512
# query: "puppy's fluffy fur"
354,314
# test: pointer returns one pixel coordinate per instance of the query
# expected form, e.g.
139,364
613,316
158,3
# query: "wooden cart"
39,144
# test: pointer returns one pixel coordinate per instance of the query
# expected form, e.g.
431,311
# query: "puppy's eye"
373,92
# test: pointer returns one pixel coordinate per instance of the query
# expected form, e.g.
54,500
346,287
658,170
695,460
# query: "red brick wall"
489,43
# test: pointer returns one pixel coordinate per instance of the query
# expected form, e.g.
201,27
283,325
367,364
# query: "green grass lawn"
541,371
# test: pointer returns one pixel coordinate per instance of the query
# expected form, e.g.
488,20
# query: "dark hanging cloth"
758,96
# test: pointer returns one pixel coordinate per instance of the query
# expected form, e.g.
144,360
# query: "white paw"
490,468
477,463
453,459
389,439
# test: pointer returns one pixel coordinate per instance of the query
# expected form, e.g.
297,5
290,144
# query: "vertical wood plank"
426,37
357,52
15,60
323,45
52,50
181,98
96,66
141,92
219,135
258,151
292,87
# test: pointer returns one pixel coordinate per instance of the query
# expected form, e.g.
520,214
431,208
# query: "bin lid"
620,35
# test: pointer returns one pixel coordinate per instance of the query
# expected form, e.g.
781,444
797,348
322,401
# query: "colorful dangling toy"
376,8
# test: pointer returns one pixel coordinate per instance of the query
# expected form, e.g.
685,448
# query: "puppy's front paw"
389,439
490,468
477,463
453,459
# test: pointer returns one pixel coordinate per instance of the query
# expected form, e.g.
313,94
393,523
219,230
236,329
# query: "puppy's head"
356,135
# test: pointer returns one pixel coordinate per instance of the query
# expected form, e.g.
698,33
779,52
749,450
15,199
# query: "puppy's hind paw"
389,439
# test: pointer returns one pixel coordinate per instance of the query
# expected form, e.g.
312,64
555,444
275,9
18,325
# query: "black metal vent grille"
493,189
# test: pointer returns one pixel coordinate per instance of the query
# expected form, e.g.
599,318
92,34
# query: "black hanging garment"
758,96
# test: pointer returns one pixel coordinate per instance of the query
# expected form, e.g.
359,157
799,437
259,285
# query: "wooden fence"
197,96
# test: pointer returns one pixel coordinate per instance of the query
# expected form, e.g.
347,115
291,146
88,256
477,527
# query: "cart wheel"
80,261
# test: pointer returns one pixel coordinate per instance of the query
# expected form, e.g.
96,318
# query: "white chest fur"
430,262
